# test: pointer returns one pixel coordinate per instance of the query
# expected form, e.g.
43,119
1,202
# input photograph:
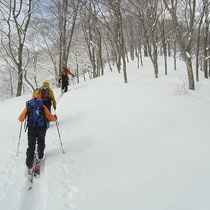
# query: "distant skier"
46,95
64,78
36,114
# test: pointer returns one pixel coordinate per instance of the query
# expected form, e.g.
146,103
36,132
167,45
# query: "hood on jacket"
46,84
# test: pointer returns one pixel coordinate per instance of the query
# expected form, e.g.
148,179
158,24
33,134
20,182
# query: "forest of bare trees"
39,38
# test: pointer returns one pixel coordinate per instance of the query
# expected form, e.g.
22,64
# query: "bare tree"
112,21
66,28
171,6
57,29
88,21
16,18
147,12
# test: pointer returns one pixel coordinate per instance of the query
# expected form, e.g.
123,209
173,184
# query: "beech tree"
147,13
16,16
93,37
111,18
57,29
172,7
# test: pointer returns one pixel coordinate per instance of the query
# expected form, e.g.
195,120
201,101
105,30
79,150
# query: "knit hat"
46,84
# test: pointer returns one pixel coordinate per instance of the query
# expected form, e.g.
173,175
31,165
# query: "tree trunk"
190,74
145,49
20,81
175,55
182,46
198,47
205,49
11,84
162,29
20,70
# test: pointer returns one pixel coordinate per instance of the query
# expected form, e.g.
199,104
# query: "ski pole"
75,80
19,138
25,126
59,134
59,137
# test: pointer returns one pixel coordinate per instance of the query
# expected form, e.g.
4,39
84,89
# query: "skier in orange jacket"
64,78
36,128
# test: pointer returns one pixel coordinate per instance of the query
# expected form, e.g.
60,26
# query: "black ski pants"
64,86
35,135
48,104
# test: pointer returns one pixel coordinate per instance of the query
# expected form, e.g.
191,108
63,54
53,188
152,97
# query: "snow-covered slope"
142,145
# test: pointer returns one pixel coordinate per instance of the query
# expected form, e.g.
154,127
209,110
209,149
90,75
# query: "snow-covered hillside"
137,146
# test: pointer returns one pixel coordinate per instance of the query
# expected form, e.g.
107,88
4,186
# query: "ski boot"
37,169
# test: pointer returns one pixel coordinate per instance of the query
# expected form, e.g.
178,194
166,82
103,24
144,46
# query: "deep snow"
137,146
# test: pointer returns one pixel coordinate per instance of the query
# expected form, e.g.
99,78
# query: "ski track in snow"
45,188
49,186
32,199
60,184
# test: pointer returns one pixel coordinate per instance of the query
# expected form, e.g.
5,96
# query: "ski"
35,174
30,181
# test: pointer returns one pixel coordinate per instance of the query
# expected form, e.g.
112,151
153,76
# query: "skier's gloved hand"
55,107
